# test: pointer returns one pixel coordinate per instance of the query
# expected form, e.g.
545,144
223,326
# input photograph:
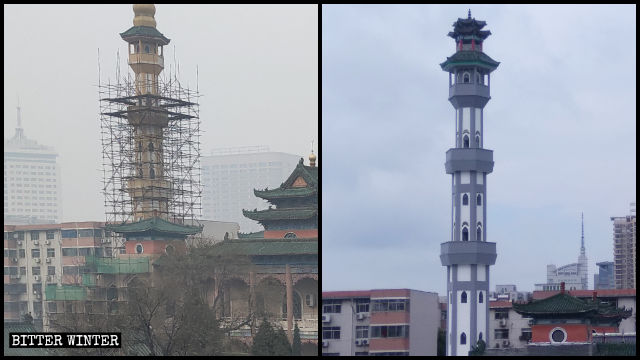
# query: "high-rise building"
468,255
624,244
392,322
32,192
574,275
604,278
230,175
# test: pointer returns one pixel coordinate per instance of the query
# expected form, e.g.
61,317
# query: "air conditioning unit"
15,276
325,343
360,316
37,260
326,318
36,277
19,242
47,242
310,300
48,260
365,341
358,342
503,322
505,343
36,242
15,259
35,292
38,296
105,240
531,322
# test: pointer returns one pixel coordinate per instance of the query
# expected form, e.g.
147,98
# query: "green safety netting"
65,292
117,265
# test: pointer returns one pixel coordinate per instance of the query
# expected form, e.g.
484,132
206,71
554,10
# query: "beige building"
507,328
624,244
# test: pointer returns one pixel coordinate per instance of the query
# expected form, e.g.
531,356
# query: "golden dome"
312,159
144,15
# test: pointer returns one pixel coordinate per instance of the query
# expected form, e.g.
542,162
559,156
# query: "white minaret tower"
468,255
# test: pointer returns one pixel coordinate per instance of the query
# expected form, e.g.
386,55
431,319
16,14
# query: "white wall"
463,324
481,313
424,320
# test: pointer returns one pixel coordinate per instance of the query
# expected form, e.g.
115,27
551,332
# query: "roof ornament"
312,157
144,15
469,13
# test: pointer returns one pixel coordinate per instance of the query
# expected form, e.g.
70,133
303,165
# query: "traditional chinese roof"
563,304
469,26
154,225
469,58
144,32
263,247
285,193
601,293
308,173
281,214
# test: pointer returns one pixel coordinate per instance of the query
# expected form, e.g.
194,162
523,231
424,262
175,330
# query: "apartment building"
624,244
507,328
40,256
394,322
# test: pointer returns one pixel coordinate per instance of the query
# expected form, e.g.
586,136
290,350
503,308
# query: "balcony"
469,159
469,95
143,58
467,252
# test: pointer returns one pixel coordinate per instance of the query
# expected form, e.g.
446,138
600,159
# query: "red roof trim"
500,304
67,225
539,295
345,294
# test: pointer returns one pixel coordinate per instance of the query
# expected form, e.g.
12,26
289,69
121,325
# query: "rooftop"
601,293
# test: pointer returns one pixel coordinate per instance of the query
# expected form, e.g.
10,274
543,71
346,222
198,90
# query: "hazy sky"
561,122
258,77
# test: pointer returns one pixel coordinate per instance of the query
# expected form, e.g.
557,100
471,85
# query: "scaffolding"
129,156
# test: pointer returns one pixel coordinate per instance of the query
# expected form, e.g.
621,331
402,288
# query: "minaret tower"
467,255
583,262
149,190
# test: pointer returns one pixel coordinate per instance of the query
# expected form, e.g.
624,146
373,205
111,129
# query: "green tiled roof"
466,57
155,225
253,235
267,247
22,327
285,193
281,214
144,31
565,304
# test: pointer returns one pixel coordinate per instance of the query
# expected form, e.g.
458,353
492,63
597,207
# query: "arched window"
465,141
477,140
479,199
140,172
480,335
463,297
139,249
479,234
466,78
465,234
151,146
290,235
465,199
463,339
480,300
147,49
169,249
152,173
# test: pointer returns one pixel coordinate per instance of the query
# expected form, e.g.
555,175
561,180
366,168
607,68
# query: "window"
502,314
332,332
150,146
35,253
50,235
169,249
501,334
35,270
391,305
35,235
21,252
480,335
69,234
147,49
23,270
84,251
463,339
558,335
331,306
51,252
479,199
362,332
465,234
70,270
85,233
477,141
290,235
480,300
51,270
465,199
390,331
152,173
463,297
465,141
69,252
362,305
479,234
139,249
466,78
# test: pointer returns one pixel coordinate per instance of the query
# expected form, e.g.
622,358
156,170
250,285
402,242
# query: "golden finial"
312,157
144,15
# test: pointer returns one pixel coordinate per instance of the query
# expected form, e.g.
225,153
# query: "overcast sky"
258,77
561,122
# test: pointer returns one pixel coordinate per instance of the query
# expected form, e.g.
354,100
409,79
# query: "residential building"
230,175
508,329
391,322
624,244
467,255
32,191
604,278
575,276
509,293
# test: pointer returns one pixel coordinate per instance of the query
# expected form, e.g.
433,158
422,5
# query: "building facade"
229,176
624,244
467,255
32,191
509,293
604,278
394,322
508,329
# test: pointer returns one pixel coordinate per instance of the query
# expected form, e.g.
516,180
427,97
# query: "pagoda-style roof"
469,26
262,247
154,225
281,214
469,58
280,193
144,32
563,304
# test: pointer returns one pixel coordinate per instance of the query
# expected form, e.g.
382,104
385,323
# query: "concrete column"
289,284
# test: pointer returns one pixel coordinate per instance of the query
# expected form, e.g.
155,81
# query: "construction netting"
129,265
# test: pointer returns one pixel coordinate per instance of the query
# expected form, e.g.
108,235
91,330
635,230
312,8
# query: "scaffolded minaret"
468,255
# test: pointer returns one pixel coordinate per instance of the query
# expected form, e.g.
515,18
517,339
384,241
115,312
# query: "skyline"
255,67
386,207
